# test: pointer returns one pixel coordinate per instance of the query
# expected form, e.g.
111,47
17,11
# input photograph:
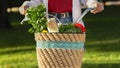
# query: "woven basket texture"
59,58
67,37
56,57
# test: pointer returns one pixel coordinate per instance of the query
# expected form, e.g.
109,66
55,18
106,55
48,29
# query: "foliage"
69,28
37,18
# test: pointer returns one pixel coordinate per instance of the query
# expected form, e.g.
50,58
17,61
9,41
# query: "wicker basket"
58,55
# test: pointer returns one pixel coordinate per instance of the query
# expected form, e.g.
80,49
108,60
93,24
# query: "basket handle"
78,24
54,17
83,14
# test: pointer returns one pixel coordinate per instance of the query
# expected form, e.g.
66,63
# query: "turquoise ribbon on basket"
60,44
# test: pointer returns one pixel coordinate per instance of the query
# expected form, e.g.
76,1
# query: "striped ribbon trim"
60,44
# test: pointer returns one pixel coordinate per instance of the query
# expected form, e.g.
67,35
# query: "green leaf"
37,18
31,30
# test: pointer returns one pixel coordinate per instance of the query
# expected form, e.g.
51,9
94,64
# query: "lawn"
102,46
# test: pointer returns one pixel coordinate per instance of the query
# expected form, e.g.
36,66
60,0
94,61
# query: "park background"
102,46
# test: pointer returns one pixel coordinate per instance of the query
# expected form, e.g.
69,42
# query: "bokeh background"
102,46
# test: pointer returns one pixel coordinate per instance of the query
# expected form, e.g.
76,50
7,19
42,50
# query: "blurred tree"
4,20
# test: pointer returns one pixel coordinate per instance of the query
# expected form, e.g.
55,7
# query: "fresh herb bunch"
69,28
37,18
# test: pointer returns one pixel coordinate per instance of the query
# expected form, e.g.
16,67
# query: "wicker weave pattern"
68,37
59,58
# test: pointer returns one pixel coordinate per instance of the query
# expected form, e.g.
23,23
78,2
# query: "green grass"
102,47
103,39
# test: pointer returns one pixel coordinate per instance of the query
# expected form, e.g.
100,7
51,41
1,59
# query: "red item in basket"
78,25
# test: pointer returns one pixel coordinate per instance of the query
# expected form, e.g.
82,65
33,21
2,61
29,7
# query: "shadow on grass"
18,35
112,65
111,47
13,51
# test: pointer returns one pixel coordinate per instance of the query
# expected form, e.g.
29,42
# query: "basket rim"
62,33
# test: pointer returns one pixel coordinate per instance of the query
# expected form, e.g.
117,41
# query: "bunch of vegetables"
69,28
37,18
